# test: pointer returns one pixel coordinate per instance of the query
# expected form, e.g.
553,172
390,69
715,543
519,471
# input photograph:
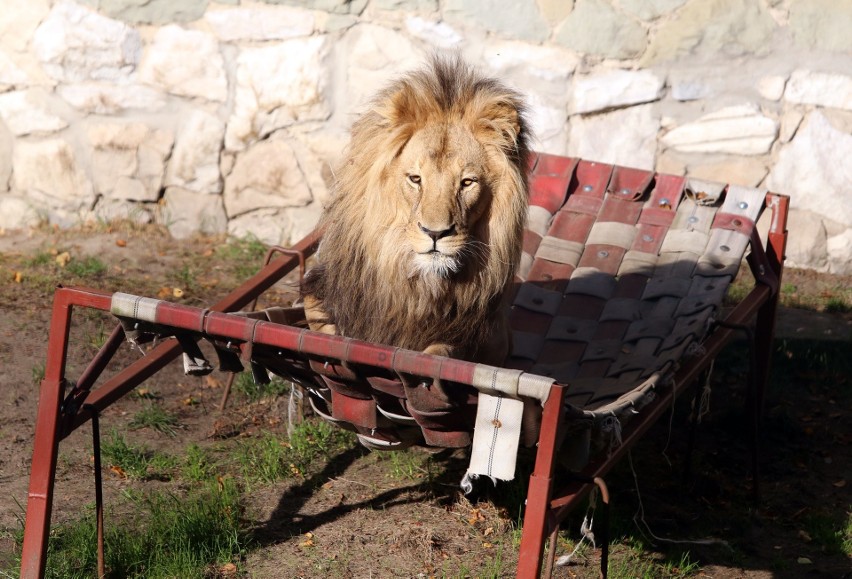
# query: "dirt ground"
361,514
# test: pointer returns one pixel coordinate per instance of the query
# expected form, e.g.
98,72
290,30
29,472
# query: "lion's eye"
414,179
467,182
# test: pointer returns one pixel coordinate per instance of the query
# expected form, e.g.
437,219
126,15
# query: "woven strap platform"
615,310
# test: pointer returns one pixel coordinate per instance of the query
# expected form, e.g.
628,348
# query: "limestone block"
624,137
153,11
75,44
128,160
549,67
523,21
822,24
17,213
814,169
6,144
11,75
185,63
194,163
839,248
333,6
820,88
19,21
690,88
187,213
612,89
790,123
300,221
746,171
375,56
771,87
807,244
48,173
738,130
555,11
594,27
548,124
277,86
260,22
266,176
709,27
438,34
109,210
407,5
28,112
650,9
107,99
267,225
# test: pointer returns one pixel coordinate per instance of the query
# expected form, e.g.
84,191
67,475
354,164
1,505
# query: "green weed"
167,536
153,416
87,267
133,461
244,384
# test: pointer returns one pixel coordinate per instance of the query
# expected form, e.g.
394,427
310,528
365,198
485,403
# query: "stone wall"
229,116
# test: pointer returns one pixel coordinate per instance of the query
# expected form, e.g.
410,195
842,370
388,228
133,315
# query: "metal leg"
551,553
99,493
536,516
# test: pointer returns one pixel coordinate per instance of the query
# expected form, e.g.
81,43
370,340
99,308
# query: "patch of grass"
837,305
244,384
168,535
267,459
404,464
40,259
153,416
196,464
87,267
134,462
38,373
832,535
244,256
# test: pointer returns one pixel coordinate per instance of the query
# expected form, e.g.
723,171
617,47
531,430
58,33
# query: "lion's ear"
499,121
400,107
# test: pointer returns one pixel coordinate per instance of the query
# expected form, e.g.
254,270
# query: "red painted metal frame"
61,412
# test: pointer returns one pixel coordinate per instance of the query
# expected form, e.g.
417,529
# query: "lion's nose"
437,234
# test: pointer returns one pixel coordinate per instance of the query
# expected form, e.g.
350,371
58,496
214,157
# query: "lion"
424,230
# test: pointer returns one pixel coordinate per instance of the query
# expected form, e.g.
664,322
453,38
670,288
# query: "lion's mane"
366,289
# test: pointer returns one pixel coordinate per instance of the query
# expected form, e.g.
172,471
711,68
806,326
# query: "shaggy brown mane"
366,282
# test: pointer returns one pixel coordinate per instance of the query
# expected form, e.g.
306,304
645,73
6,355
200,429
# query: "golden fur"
424,230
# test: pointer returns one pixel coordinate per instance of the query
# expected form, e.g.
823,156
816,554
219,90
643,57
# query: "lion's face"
441,175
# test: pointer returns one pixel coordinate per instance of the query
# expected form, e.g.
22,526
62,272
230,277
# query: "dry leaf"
189,401
207,252
18,277
177,292
121,242
839,484
211,381
488,531
803,535
118,471
803,561
487,545
63,258
228,570
164,292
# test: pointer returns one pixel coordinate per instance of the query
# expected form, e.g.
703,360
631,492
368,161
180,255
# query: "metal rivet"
546,277
736,222
587,187
724,248
625,191
692,219
742,205
603,253
647,237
